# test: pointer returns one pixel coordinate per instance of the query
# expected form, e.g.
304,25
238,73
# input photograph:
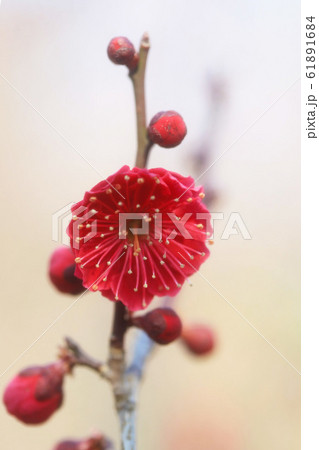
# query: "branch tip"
145,41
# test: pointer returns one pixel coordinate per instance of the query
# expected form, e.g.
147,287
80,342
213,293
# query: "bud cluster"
167,128
164,326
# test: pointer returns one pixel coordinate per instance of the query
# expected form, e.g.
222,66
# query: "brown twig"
138,80
74,356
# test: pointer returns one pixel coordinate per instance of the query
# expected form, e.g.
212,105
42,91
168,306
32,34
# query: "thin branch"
138,80
74,356
142,349
116,363
128,390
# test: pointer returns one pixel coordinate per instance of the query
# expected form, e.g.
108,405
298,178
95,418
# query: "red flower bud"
61,271
35,393
162,325
167,129
121,51
98,442
199,339
132,65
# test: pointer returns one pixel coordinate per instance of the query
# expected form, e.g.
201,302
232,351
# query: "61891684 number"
310,47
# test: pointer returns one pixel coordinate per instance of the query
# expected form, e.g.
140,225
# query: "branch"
73,355
116,365
125,382
138,80
142,349
127,390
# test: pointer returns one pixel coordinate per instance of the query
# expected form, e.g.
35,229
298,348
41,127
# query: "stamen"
137,273
120,279
137,248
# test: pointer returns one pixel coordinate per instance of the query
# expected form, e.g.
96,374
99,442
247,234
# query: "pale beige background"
245,397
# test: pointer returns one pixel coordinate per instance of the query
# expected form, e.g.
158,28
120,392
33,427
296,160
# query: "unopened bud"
199,339
61,272
167,129
35,393
98,442
121,51
162,325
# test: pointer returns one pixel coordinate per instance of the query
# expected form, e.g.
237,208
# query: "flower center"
134,233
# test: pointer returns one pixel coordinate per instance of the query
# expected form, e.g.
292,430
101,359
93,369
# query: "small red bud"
132,65
121,51
199,339
97,442
35,393
162,325
61,272
167,129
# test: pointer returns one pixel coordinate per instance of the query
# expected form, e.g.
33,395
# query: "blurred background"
245,396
